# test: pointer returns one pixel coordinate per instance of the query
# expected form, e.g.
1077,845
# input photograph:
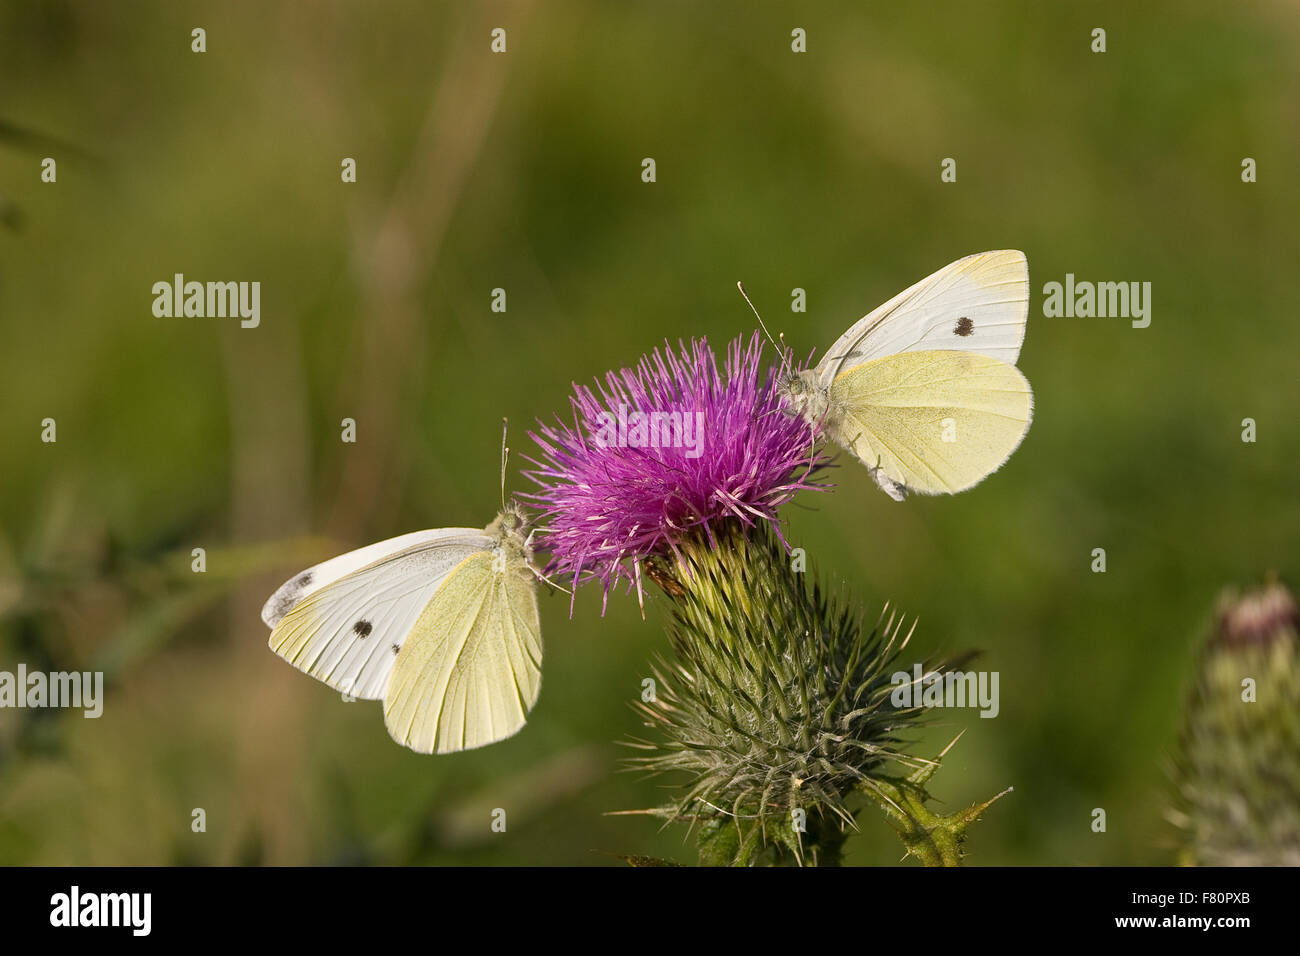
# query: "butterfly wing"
327,572
976,304
471,670
347,618
934,422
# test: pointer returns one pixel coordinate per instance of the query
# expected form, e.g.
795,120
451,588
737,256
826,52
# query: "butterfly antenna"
785,354
781,346
762,324
505,457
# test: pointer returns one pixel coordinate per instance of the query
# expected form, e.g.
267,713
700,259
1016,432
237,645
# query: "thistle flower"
662,450
777,707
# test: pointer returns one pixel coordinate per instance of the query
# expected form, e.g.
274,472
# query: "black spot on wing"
304,579
362,629
964,327
397,648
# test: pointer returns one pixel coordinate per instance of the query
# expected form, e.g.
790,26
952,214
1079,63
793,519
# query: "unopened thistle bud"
1238,773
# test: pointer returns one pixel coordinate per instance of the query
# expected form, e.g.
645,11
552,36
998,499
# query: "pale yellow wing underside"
934,422
471,668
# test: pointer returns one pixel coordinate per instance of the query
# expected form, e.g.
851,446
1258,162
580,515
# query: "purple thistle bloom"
662,450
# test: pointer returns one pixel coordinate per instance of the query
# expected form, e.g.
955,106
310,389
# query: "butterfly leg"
537,573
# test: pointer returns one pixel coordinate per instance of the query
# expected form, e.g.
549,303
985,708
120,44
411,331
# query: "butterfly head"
802,395
511,526
512,520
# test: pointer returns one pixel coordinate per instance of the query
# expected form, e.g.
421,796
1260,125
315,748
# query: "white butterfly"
924,390
442,625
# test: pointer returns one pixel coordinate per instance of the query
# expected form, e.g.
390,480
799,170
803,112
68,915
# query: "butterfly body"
510,541
804,395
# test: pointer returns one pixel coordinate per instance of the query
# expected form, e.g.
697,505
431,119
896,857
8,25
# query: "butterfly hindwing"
933,422
471,670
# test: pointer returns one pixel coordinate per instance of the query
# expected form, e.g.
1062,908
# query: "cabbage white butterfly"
441,625
924,390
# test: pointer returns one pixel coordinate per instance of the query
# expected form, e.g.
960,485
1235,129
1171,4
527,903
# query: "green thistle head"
776,708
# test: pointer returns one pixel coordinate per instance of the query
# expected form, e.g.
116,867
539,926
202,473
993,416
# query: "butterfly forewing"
327,572
347,629
976,304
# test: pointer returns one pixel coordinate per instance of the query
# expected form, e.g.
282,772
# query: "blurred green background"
522,171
